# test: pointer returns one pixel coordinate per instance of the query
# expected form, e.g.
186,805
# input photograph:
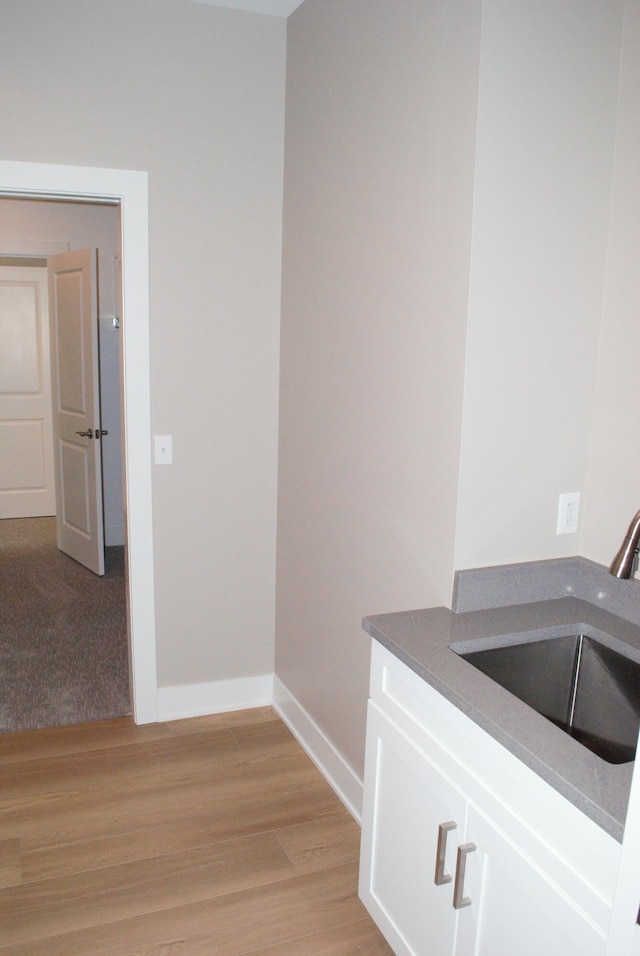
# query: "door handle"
441,877
99,432
459,899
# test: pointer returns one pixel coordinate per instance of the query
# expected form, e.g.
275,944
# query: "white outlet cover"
568,512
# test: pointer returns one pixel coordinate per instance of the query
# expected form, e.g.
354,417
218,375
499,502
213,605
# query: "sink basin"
586,688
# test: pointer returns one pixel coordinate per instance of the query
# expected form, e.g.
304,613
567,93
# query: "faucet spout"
625,563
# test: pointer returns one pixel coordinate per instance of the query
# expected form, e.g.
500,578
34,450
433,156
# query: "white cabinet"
520,910
410,800
538,875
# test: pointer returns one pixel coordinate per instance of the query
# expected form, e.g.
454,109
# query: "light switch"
163,449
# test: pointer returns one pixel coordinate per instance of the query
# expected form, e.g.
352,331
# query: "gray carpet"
63,632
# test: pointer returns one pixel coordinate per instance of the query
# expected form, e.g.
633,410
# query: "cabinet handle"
459,899
444,828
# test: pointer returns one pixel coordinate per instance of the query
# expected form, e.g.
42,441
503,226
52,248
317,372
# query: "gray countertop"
422,639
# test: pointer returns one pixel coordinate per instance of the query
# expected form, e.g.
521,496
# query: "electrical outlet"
568,508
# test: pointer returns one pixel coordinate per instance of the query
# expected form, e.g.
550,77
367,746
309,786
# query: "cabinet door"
406,801
514,907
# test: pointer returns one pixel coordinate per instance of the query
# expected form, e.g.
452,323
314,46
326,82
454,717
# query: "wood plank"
10,863
251,799
52,907
107,768
212,836
230,925
363,938
319,844
196,757
52,741
259,812
79,738
51,861
228,719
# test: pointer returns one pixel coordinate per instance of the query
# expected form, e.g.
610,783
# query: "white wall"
194,95
377,217
546,129
32,224
613,482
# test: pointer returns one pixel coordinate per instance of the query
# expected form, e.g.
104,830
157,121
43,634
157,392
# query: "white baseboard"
329,761
215,697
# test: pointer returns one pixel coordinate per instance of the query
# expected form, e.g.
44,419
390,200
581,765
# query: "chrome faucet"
625,563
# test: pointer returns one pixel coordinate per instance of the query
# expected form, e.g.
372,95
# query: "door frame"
129,189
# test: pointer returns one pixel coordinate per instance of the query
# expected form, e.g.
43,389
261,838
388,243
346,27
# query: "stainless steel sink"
586,688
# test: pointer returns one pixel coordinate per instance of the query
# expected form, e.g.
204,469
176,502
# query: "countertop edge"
421,640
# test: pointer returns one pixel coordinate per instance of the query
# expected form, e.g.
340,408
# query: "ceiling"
275,8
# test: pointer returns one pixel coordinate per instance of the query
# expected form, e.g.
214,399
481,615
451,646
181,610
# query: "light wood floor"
199,837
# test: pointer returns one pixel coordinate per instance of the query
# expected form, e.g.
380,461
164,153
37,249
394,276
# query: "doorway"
64,633
86,353
129,189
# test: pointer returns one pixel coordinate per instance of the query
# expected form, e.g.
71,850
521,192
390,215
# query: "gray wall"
447,252
613,475
547,111
380,137
195,95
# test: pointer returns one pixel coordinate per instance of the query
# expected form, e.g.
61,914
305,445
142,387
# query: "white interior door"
27,487
75,380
